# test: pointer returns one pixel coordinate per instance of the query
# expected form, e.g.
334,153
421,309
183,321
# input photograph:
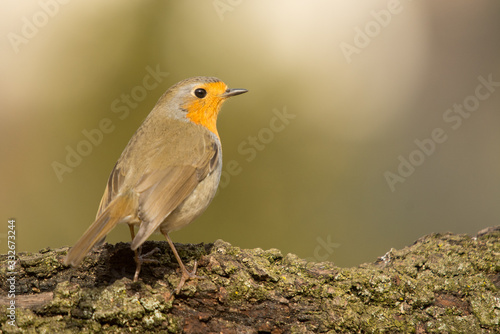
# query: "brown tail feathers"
121,209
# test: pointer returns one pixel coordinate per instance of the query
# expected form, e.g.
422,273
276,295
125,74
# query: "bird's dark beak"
234,92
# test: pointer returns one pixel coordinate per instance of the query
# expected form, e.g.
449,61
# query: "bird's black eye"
200,92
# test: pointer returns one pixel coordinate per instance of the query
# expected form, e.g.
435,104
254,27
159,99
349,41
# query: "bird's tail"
121,209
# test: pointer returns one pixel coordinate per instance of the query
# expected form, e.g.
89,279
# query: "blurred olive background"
315,184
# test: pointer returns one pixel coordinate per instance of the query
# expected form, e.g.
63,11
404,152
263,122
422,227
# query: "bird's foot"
140,259
185,275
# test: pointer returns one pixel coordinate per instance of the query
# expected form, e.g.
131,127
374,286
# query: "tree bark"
443,283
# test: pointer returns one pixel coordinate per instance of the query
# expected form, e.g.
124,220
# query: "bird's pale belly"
194,204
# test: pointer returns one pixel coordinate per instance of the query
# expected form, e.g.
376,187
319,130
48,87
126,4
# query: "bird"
168,173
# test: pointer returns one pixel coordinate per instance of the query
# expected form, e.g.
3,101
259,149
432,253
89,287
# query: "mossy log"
443,283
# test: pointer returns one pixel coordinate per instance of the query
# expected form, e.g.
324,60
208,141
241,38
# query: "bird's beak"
233,92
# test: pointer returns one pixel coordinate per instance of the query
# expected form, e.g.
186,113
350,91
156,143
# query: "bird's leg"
140,259
137,252
184,272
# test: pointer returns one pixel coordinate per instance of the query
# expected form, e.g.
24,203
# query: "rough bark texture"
444,283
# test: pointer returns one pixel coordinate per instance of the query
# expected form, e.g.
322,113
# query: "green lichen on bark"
444,283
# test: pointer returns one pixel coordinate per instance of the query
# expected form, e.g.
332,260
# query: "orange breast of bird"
204,111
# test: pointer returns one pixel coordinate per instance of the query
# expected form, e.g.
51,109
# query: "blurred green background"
361,82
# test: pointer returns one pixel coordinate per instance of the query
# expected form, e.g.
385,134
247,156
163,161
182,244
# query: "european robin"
167,174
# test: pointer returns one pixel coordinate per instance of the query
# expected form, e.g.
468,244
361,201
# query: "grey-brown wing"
115,181
162,191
